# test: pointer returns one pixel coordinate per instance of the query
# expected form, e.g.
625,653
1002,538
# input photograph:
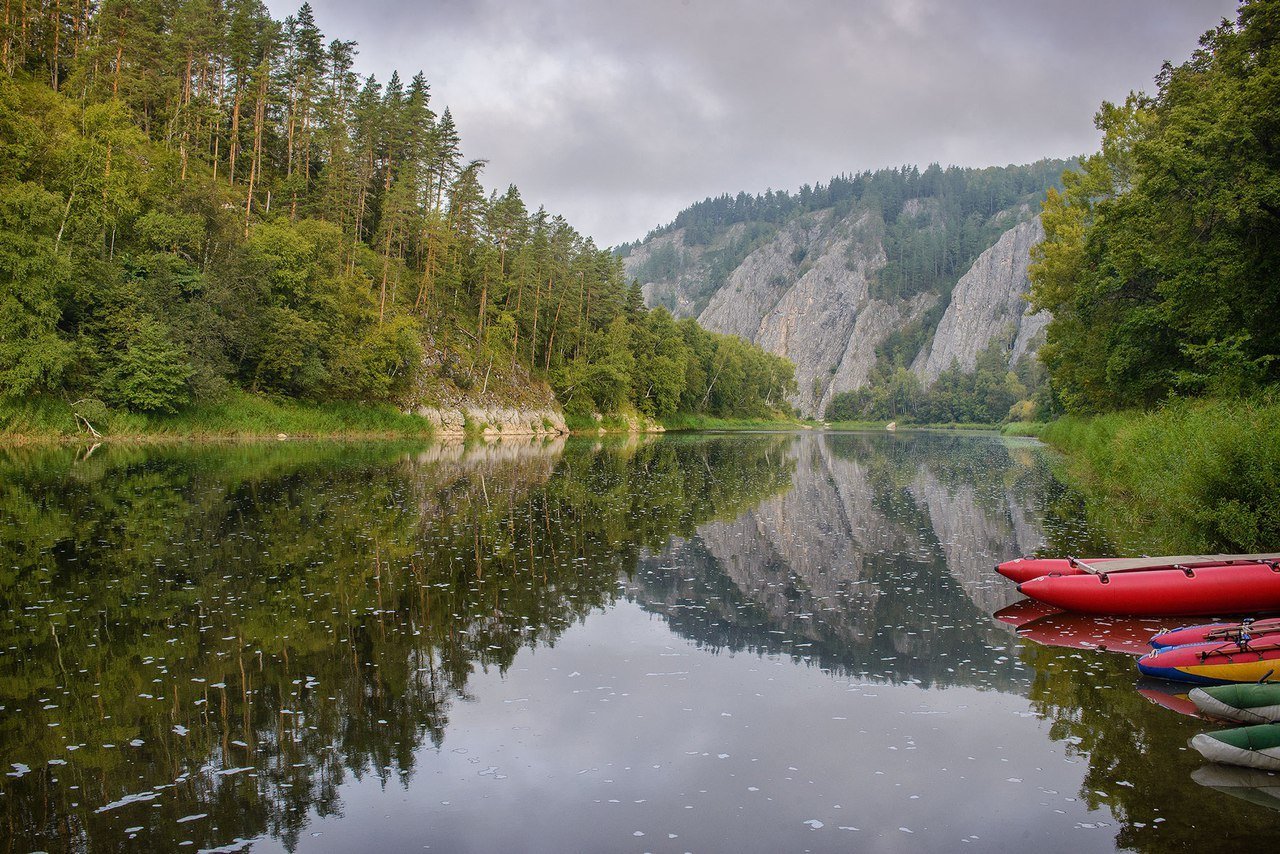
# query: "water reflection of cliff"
877,562
230,633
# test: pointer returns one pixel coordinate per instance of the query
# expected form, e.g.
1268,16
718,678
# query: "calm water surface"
693,643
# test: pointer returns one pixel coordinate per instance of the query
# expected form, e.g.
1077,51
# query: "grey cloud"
618,114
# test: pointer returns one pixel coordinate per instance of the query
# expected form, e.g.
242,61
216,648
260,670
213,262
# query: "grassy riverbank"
687,421
901,425
240,416
1191,475
633,422
46,420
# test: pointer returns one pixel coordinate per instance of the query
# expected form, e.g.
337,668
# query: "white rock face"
806,294
988,303
494,421
686,294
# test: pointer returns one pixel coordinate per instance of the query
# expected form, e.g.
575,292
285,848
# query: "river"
745,642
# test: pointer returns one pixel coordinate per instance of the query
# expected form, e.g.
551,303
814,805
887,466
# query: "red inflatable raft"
1026,568
1239,588
1206,632
1213,663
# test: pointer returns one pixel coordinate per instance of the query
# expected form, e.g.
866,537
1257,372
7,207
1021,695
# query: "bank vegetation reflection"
224,635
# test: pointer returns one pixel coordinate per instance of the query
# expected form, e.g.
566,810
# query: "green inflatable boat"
1248,746
1247,703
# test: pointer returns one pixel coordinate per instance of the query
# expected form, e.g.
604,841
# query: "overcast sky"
620,114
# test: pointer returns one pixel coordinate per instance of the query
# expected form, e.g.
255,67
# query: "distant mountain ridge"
920,269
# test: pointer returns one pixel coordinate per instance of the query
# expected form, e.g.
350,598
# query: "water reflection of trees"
235,631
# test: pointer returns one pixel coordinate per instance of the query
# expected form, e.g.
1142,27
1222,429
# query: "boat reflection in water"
1025,611
1128,635
1168,695
1248,784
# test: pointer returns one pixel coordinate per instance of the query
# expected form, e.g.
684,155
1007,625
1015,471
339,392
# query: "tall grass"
1023,428
621,423
1189,476
238,416
692,421
36,418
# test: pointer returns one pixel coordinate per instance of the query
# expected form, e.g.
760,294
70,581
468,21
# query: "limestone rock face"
806,295
676,275
807,292
988,304
494,420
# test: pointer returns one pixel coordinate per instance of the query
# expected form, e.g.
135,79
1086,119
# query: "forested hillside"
196,199
1161,264
927,244
853,279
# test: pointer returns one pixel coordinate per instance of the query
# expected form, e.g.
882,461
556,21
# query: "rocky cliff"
806,295
988,304
832,288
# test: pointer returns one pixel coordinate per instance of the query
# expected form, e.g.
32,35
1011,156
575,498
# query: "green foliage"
1189,476
662,263
989,394
236,415
700,423
194,202
982,192
958,214
661,368
37,415
902,345
150,374
1160,257
33,352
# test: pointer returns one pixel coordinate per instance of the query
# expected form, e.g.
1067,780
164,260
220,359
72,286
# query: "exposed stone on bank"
493,421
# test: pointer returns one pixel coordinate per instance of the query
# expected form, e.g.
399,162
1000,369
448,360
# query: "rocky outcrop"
806,295
460,391
493,420
631,423
829,288
988,304
676,275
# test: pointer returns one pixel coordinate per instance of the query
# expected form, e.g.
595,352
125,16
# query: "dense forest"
197,199
989,394
1161,264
